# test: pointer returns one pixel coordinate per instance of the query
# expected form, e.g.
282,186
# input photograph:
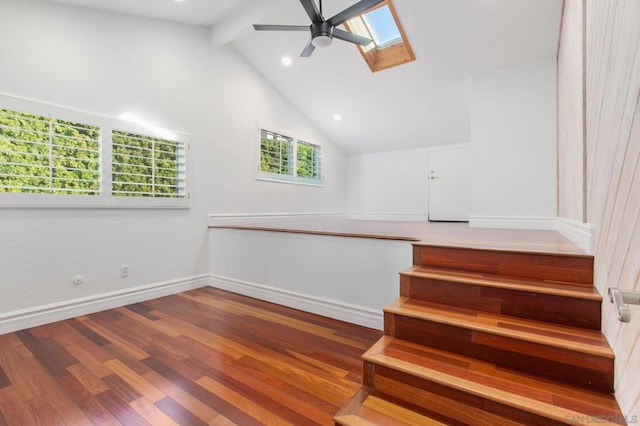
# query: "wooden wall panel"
612,65
571,171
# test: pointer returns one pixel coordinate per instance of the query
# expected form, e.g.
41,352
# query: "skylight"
390,46
382,27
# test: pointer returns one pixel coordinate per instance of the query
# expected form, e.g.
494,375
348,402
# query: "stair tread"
558,288
369,408
542,397
575,339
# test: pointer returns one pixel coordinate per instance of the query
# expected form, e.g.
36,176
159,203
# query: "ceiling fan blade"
312,10
308,50
263,27
351,38
352,11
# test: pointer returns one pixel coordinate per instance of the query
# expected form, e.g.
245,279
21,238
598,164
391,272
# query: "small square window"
275,153
286,159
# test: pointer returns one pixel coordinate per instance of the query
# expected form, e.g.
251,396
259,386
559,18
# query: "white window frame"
105,199
289,178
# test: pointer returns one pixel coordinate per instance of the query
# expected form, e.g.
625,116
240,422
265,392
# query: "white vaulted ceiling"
423,103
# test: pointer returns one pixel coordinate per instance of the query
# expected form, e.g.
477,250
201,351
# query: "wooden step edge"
378,403
347,415
513,250
396,307
442,275
351,420
499,396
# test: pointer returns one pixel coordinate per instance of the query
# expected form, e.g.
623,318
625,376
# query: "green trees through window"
287,159
145,166
308,161
275,153
45,155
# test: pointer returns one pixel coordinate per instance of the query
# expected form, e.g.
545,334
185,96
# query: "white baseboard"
32,317
400,217
581,234
341,311
226,218
514,222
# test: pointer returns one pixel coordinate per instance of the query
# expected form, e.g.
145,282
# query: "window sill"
291,180
51,201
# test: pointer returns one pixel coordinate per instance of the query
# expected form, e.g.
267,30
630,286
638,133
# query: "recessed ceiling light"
337,117
286,61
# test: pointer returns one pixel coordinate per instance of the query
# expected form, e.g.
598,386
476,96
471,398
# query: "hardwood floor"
201,357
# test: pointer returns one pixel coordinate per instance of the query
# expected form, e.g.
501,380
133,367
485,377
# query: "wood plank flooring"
201,357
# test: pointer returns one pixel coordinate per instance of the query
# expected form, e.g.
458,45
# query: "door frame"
443,148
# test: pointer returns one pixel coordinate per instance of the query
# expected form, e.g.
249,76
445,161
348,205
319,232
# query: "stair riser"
457,404
589,371
536,306
565,268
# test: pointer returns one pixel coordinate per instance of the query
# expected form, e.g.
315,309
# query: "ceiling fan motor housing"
321,34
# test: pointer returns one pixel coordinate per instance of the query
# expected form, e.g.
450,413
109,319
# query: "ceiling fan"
323,31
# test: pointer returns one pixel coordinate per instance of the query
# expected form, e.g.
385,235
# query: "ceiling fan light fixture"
323,31
322,41
321,34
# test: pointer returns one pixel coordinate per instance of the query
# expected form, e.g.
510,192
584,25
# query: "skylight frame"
386,55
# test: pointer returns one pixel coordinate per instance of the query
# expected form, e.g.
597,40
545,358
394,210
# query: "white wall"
513,157
350,279
170,75
571,135
612,132
391,185
513,145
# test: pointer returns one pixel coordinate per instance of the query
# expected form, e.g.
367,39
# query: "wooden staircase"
489,337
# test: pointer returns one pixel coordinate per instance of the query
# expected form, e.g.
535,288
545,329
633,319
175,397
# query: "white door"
449,184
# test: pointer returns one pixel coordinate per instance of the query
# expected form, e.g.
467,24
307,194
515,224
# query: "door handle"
433,177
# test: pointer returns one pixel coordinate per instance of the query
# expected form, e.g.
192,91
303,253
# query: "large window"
47,155
51,156
284,158
144,166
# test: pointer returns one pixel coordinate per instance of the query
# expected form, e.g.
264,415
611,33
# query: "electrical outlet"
124,271
78,279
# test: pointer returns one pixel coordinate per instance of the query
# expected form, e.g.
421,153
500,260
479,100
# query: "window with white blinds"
276,153
51,157
309,161
284,158
144,166
46,155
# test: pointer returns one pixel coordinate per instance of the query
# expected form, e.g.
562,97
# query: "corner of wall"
579,233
